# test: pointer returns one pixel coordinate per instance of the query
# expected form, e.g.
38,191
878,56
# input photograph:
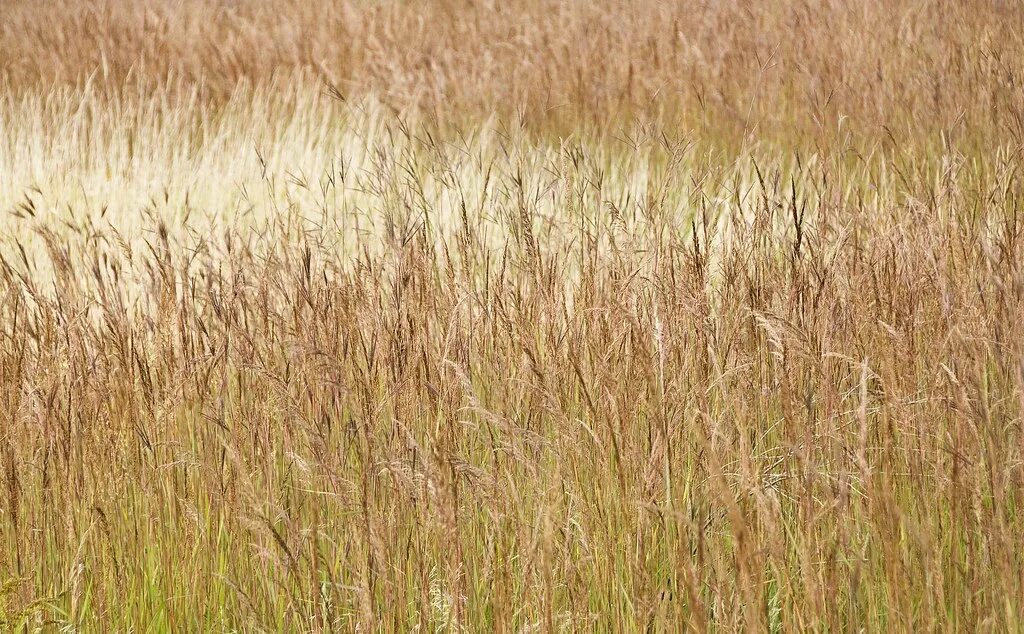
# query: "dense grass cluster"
285,349
779,70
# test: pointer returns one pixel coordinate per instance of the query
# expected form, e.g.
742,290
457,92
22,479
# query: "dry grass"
776,70
533,316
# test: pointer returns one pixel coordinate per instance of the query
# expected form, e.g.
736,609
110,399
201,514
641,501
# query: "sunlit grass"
284,350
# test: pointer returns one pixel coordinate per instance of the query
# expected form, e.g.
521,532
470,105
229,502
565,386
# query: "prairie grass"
523,316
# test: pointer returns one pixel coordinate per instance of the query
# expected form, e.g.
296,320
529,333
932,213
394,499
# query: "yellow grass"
519,316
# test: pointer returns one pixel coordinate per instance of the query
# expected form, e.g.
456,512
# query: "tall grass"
332,338
781,69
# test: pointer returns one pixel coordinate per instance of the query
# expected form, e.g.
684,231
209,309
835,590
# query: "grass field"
512,316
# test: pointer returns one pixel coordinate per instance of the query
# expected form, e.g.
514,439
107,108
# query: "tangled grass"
282,348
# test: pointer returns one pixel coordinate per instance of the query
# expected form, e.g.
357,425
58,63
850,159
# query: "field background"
514,316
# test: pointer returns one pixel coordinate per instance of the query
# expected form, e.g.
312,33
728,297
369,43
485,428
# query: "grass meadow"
511,316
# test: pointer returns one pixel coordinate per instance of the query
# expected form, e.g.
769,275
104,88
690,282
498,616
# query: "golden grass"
772,70
524,316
